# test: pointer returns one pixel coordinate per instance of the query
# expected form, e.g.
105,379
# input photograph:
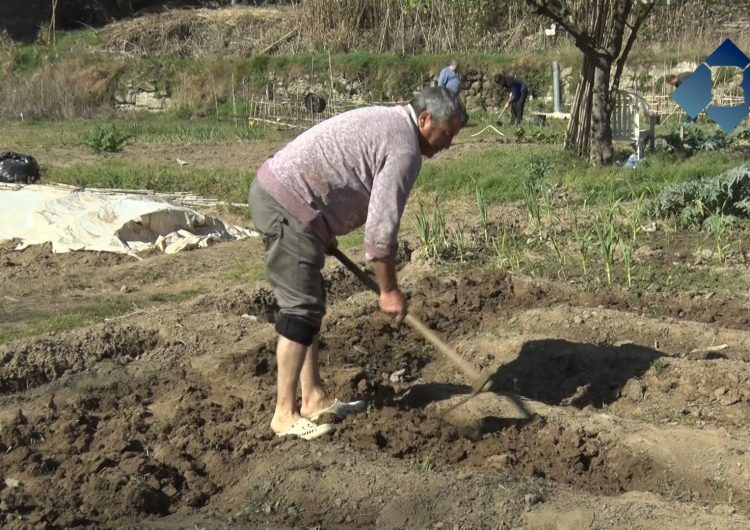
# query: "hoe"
479,381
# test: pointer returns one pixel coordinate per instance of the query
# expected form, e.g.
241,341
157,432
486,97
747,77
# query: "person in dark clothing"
675,80
518,91
678,79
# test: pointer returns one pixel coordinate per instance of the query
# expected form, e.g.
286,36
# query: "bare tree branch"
641,17
619,21
557,12
599,28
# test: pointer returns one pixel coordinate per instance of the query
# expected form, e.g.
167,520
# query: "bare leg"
314,396
290,356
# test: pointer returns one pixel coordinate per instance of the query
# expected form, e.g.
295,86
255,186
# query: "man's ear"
423,118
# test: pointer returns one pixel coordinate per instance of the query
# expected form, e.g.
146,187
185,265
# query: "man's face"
435,136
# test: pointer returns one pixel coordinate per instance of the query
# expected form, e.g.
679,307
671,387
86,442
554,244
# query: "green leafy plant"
605,229
626,251
659,365
740,136
538,167
717,225
689,139
106,139
692,202
432,231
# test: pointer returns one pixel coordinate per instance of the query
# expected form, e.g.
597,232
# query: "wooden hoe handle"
416,324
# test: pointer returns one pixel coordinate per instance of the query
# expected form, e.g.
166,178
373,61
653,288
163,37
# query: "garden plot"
159,417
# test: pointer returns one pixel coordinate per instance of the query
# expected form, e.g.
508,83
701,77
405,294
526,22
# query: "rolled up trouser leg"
294,260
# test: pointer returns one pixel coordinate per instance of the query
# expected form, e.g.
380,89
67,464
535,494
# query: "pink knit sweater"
353,169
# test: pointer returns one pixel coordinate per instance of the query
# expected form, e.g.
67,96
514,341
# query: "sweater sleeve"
390,190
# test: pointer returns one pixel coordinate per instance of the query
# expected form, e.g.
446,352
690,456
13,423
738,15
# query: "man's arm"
507,104
392,300
390,190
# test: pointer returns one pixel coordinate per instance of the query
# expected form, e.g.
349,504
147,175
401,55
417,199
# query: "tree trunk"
604,31
577,137
589,131
601,152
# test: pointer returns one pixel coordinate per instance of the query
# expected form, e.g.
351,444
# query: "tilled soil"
606,410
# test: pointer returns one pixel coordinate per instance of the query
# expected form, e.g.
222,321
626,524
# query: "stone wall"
479,90
143,96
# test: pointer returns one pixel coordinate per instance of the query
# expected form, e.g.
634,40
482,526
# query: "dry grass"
438,26
65,90
330,25
73,88
8,52
237,31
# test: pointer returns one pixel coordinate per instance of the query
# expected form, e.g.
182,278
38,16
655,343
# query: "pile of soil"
159,418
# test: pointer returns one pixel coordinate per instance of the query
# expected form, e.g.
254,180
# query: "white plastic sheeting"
123,223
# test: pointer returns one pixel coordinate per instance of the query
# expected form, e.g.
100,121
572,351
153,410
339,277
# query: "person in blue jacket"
450,79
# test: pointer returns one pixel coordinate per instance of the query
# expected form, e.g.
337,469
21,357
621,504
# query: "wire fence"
299,112
293,114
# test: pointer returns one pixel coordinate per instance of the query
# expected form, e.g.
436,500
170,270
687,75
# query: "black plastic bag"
15,167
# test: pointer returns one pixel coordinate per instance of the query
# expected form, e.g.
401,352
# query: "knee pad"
296,329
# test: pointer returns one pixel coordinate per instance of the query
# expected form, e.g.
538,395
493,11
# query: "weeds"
219,183
246,271
82,316
659,365
106,139
425,466
177,297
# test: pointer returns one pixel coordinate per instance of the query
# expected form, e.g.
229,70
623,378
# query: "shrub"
693,139
695,201
106,139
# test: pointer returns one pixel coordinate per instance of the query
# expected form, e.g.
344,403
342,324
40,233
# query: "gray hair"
441,103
